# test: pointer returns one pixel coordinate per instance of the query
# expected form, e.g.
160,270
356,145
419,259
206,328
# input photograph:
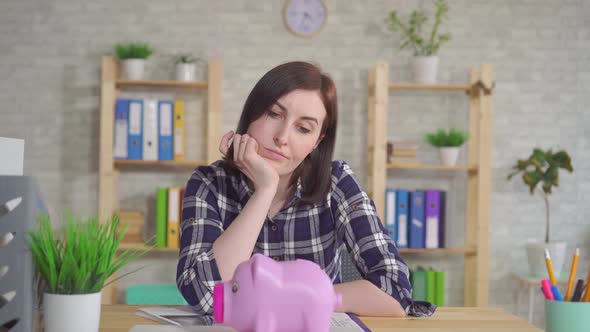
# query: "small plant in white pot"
448,144
73,265
542,168
424,46
133,56
186,67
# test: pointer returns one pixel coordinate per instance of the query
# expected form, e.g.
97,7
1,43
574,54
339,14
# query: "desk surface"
120,318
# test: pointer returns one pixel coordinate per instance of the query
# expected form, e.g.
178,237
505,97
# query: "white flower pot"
425,69
71,313
536,258
448,155
185,72
133,69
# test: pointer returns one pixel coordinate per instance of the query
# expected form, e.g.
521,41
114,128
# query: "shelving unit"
109,169
479,91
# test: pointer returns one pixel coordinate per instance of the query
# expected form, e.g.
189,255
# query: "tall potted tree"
542,168
133,56
74,264
425,47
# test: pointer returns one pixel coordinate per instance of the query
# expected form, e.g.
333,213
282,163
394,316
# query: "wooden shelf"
142,246
162,84
418,165
444,251
417,86
185,164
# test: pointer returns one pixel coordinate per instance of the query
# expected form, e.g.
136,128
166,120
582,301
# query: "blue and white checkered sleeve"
197,271
371,249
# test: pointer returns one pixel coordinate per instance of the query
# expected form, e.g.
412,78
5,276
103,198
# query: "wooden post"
377,138
478,187
214,109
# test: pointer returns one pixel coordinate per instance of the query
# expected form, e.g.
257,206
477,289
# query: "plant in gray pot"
186,66
73,265
132,57
424,46
542,168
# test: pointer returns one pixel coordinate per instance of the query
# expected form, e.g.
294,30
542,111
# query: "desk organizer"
563,316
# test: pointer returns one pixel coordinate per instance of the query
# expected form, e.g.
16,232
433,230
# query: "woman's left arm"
386,290
365,299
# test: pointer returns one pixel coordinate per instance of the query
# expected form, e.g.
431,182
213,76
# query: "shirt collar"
245,192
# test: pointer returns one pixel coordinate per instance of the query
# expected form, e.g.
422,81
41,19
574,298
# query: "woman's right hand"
250,162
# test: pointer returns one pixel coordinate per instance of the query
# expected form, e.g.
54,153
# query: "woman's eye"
304,130
273,114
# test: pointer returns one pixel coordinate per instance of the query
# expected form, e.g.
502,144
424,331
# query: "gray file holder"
16,254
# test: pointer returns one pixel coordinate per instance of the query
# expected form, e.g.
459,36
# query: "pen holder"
567,316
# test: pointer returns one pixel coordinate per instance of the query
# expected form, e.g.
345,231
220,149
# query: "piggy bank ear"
256,263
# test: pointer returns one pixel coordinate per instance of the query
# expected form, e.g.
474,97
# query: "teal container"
563,316
154,294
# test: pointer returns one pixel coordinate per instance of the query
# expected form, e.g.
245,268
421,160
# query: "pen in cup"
570,283
549,267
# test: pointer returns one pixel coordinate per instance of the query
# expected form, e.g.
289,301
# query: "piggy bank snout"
218,303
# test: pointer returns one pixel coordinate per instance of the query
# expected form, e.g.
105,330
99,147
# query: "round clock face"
305,17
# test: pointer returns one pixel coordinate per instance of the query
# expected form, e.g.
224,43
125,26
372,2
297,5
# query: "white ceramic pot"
448,155
425,69
71,313
536,258
133,69
185,71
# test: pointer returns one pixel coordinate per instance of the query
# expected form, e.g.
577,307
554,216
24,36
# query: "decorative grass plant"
133,50
80,256
451,138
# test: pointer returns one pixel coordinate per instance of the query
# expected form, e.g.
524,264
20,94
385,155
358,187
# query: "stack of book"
149,129
416,219
428,285
401,151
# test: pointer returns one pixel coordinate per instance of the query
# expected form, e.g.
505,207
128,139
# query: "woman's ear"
318,142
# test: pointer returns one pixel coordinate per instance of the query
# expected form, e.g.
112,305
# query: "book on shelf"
149,129
428,285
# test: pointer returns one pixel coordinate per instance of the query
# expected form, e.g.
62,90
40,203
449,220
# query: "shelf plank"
141,247
446,251
417,86
419,165
185,164
162,84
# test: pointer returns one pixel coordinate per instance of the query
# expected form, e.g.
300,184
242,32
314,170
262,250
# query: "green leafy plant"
542,167
412,30
451,138
133,50
187,58
79,257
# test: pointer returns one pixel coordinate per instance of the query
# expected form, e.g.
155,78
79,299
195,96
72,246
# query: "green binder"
439,286
161,216
418,281
430,286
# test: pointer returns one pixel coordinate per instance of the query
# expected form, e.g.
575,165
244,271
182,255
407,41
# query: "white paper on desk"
183,319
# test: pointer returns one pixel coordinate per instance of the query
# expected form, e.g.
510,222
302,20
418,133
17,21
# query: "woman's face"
289,130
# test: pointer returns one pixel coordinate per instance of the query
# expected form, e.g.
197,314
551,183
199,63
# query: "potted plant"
425,47
542,167
448,144
186,67
132,56
73,265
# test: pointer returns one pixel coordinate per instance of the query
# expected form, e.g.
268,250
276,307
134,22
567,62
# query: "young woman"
278,192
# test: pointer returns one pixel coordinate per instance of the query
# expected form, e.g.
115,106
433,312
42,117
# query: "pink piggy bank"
269,296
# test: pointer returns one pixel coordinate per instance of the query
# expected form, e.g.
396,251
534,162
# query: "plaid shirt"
316,232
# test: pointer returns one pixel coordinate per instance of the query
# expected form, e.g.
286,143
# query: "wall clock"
305,18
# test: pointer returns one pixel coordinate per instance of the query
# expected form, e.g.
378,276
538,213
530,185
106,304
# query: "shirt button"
355,207
274,228
276,258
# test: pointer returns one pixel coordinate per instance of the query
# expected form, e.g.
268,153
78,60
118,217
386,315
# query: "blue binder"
417,220
402,218
121,129
165,130
135,138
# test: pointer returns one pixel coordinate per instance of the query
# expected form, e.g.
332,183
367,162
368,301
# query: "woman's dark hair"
315,170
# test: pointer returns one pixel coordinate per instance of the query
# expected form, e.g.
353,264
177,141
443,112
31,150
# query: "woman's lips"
274,155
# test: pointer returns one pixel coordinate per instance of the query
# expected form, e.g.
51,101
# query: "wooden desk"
120,318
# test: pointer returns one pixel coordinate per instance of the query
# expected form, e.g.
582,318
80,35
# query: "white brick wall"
50,57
